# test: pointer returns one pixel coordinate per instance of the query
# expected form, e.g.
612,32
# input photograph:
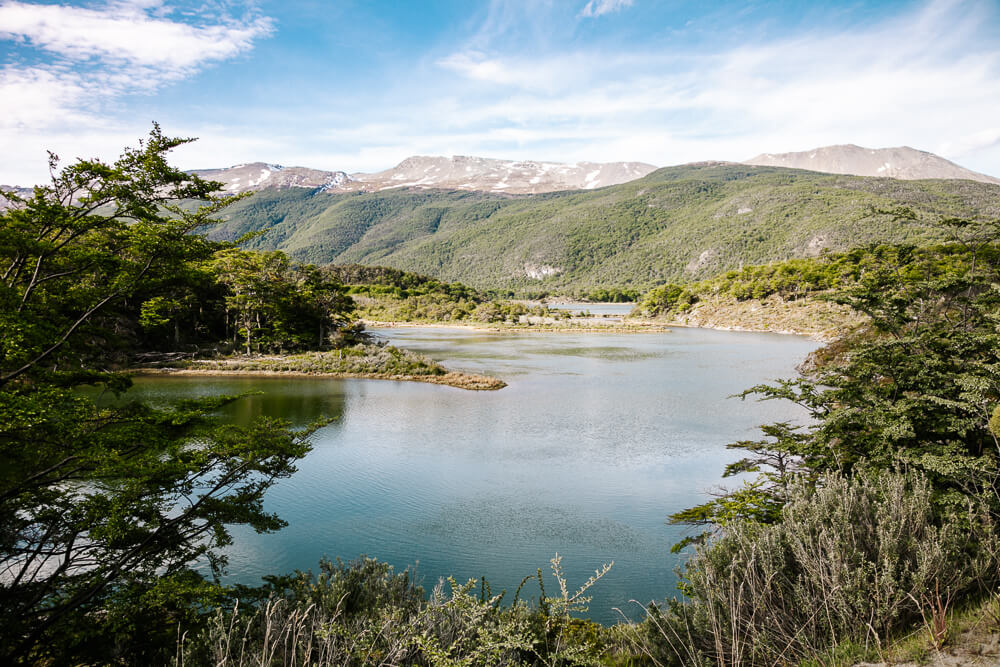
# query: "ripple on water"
501,521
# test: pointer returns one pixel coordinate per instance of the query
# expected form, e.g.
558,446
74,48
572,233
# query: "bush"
852,560
364,613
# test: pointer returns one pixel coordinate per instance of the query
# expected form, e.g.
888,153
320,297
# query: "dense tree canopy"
916,388
107,504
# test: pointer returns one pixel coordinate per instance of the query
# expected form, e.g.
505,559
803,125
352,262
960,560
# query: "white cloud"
92,57
598,7
126,33
547,74
929,79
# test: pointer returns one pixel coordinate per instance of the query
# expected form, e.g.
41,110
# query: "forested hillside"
677,224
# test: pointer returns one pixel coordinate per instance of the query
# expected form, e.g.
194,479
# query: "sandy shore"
450,379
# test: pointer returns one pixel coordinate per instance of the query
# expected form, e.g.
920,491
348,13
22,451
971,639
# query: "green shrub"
364,613
852,560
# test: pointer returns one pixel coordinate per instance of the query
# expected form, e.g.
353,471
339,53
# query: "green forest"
678,224
840,538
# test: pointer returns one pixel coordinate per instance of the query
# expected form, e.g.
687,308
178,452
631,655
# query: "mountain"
903,162
454,173
678,223
14,189
506,176
259,175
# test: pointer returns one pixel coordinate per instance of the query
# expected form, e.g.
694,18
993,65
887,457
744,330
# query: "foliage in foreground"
852,560
829,543
918,387
850,565
107,507
364,613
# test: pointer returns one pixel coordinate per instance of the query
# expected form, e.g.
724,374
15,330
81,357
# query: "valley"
675,224
214,356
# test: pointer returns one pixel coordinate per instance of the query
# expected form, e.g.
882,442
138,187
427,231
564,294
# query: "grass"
363,361
973,639
822,320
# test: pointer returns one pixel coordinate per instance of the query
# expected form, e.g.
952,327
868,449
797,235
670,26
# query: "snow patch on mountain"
459,172
462,172
258,175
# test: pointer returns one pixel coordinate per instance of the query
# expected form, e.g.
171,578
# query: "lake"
597,438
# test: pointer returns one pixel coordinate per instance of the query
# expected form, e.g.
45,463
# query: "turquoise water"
597,438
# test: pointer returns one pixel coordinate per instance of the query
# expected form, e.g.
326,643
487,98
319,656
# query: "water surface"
597,438
599,309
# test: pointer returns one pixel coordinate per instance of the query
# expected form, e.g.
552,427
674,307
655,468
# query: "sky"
359,86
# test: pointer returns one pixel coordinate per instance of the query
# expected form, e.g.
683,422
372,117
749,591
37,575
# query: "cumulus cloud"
126,34
87,57
596,8
929,78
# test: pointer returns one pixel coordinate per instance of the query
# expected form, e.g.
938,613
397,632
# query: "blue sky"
358,86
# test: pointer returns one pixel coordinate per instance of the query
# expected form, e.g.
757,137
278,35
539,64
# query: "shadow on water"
300,402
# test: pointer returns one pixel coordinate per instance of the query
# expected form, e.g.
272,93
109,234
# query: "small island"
373,362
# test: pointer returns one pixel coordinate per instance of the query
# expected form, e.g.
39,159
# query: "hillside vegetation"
801,295
382,294
677,224
872,520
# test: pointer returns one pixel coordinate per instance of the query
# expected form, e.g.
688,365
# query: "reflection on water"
301,403
595,440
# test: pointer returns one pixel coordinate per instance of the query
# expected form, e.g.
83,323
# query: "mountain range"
528,227
455,173
531,177
674,224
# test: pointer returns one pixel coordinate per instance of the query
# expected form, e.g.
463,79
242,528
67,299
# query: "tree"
327,298
253,280
915,389
276,304
107,505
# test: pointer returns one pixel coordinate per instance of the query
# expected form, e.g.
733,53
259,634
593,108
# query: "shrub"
849,561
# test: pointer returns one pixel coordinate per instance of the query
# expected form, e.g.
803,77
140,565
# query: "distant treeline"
391,295
796,278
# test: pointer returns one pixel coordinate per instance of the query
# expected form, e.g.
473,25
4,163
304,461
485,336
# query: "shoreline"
457,379
639,328
818,337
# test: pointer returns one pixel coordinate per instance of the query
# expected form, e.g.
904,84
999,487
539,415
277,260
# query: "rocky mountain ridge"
461,172
455,173
525,177
676,224
901,162
259,175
